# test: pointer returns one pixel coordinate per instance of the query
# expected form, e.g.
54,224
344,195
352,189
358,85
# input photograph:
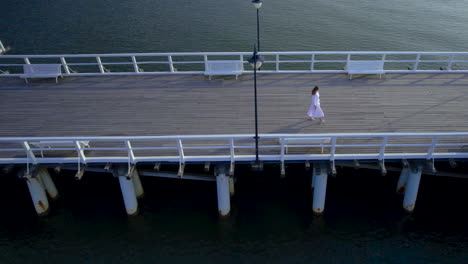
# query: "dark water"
271,221
271,218
105,26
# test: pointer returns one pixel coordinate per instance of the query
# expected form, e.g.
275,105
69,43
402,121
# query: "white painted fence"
236,148
275,62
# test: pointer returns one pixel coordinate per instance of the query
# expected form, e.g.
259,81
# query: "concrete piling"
48,183
128,191
222,186
38,196
319,181
402,180
139,191
412,187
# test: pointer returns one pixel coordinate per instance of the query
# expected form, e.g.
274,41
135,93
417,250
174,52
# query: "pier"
120,122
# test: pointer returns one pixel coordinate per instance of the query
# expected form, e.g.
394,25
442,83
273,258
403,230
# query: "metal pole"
255,97
258,30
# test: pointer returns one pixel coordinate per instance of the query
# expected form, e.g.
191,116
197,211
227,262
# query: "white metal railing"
2,48
275,62
233,148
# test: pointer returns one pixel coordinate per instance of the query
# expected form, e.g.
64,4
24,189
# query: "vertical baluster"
450,62
384,57
101,68
430,151
171,64
131,155
135,65
64,64
382,148
416,64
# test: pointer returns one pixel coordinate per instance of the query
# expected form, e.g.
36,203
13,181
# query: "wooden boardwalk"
193,105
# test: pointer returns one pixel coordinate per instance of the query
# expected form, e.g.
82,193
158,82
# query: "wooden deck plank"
190,105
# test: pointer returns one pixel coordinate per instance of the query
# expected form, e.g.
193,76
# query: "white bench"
42,71
306,141
224,67
57,144
365,67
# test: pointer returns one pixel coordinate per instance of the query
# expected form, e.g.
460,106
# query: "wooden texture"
193,105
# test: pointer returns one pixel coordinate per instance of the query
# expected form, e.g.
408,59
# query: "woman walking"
315,111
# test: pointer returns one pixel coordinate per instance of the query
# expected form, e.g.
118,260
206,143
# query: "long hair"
315,90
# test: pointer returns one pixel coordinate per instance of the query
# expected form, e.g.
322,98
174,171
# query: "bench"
301,141
57,144
224,67
42,71
365,67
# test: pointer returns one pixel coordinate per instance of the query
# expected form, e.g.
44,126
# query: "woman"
315,111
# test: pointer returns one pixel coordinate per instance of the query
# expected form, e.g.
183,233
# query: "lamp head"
257,3
256,61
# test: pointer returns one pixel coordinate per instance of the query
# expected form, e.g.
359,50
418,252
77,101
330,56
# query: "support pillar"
38,196
412,187
402,181
319,182
128,191
48,183
222,186
139,192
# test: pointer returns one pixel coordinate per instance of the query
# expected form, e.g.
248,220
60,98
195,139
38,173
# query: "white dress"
315,113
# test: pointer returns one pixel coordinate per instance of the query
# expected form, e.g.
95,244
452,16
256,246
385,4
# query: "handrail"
276,62
372,146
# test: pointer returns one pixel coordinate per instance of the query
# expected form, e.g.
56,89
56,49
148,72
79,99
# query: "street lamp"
256,62
257,4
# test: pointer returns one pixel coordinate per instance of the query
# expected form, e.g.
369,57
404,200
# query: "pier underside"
193,105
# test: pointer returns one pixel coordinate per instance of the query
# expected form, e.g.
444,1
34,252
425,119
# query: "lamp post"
257,4
256,62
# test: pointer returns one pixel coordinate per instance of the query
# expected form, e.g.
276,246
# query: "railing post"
382,148
333,149
416,64
101,68
384,57
64,64
450,62
135,65
430,151
131,155
312,63
232,150
282,151
232,153
180,148
81,157
80,151
171,64
205,59
29,152
277,62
